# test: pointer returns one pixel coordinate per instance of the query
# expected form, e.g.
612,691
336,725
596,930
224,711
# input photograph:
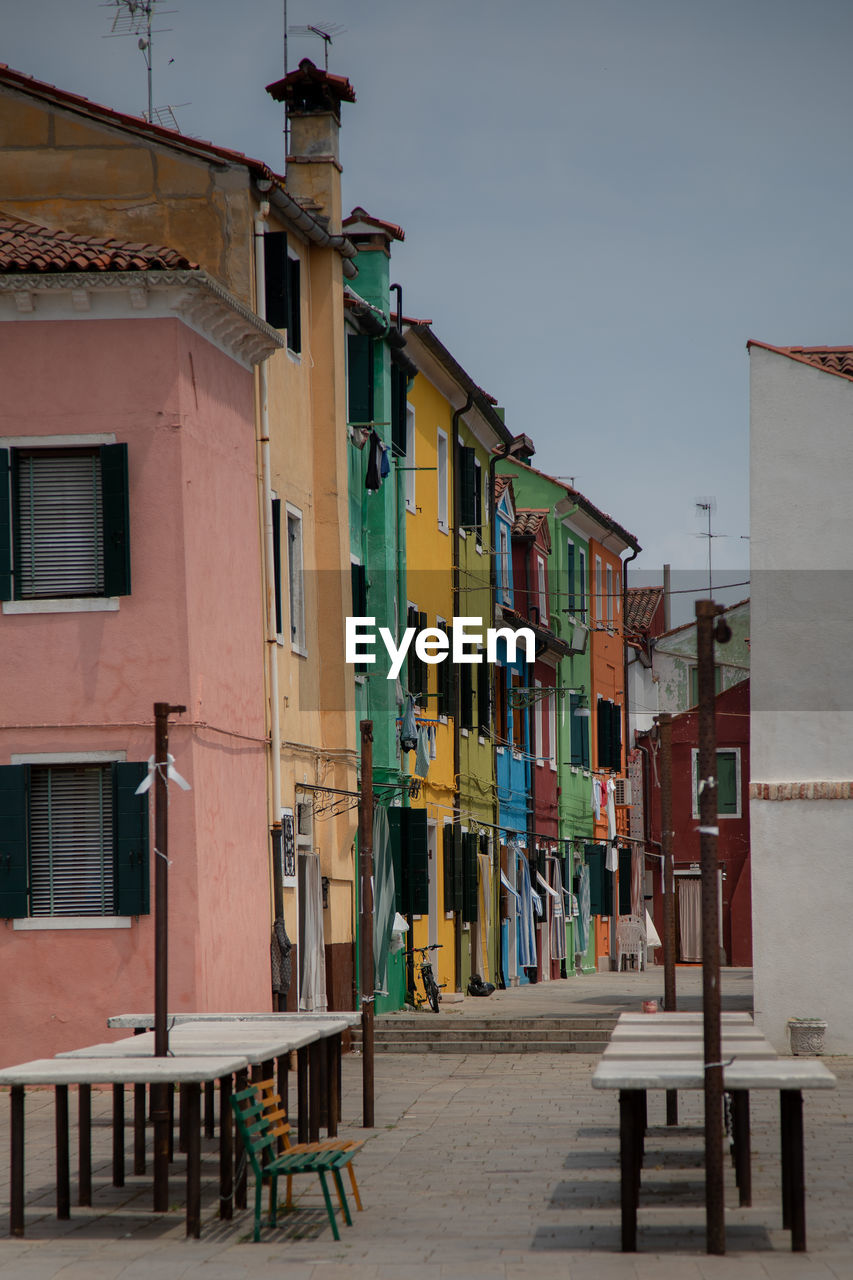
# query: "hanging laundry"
409,728
526,923
506,884
558,919
433,749
583,909
612,860
422,754
384,461
373,479
611,809
596,799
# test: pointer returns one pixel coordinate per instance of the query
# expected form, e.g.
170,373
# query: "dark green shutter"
445,672
359,379
395,831
14,803
478,502
484,692
447,864
457,867
583,721
276,278
466,697
469,877
294,306
624,882
570,575
726,782
116,511
399,411
416,853
358,582
467,486
600,880
130,824
615,736
5,527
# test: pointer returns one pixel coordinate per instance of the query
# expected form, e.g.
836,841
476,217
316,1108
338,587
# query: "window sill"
479,548
464,733
79,604
442,528
294,356
35,923
299,651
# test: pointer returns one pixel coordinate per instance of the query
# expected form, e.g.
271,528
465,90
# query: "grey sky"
602,201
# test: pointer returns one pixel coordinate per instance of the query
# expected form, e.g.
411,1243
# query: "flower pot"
806,1036
650,1006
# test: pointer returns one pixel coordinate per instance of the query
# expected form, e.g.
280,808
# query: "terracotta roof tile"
529,522
31,249
501,483
640,607
837,360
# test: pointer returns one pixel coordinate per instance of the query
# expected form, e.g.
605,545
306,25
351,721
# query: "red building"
732,714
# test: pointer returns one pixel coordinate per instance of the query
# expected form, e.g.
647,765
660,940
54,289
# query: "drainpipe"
494,459
456,545
269,576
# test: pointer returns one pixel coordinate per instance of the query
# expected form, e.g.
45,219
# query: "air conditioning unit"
623,791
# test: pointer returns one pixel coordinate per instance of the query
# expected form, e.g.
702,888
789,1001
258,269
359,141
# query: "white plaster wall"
801,550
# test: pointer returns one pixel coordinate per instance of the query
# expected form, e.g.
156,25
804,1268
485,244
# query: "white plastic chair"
631,940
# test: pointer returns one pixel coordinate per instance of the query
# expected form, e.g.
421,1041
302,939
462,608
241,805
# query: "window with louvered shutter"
72,864
59,524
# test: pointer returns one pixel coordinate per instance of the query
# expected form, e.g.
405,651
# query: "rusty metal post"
365,858
706,611
159,1092
669,995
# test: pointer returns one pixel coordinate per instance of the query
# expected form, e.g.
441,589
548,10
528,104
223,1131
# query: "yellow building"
454,428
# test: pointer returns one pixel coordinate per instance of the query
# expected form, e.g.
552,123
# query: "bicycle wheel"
432,992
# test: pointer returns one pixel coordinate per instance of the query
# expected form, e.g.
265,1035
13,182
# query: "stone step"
492,1046
464,1024
518,1034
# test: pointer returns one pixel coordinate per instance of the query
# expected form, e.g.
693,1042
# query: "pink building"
130,573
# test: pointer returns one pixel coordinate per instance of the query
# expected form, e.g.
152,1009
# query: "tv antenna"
708,506
135,18
325,31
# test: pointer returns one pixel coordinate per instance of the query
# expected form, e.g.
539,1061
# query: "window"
728,782
581,609
358,583
276,563
579,732
360,380
478,500
75,840
441,477
518,714
469,516
609,727
694,683
418,670
542,590
609,593
484,689
445,676
466,697
411,474
64,523
571,595
500,704
503,539
282,288
400,423
599,602
296,580
552,730
538,741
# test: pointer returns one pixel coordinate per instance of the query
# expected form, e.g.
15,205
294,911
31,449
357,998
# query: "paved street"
480,1167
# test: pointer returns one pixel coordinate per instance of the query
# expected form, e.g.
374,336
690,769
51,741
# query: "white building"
801,810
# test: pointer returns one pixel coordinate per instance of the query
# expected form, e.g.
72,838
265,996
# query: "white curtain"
690,917
384,908
312,990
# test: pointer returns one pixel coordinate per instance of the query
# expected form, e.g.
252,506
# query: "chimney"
667,597
312,101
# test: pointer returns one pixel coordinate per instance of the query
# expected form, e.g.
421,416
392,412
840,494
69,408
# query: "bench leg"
315,1064
672,1107
333,1049
629,1159
139,1100
16,1190
741,1143
118,1135
354,1186
226,1151
329,1206
302,1094
63,1181
191,1108
84,1139
240,1157
793,1176
209,1108
339,1187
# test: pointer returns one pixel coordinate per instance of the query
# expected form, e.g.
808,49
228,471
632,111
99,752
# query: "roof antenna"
708,505
135,18
325,31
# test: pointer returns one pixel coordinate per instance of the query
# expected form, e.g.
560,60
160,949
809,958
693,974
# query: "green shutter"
417,859
115,498
478,502
14,803
276,278
359,379
447,864
624,882
399,410
467,487
5,527
276,561
484,696
395,830
584,724
600,881
130,822
726,782
457,867
570,575
575,723
470,869
466,698
445,673
616,736
603,725
294,306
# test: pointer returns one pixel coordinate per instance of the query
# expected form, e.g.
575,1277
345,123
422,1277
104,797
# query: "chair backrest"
255,1130
630,933
273,1110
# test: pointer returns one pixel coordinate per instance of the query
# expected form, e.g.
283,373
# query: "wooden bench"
261,1142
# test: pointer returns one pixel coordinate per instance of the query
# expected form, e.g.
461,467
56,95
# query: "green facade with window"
568,577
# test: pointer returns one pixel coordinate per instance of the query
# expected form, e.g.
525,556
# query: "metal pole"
159,1096
706,611
670,1003
365,858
